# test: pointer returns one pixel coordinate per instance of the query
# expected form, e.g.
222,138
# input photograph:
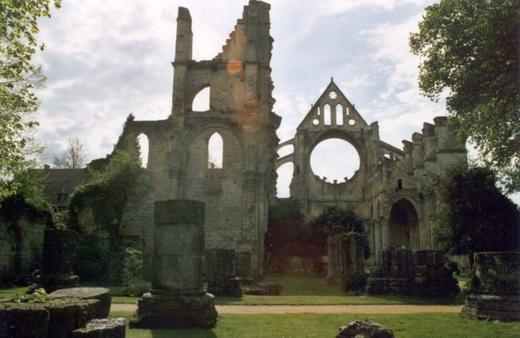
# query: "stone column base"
492,307
166,309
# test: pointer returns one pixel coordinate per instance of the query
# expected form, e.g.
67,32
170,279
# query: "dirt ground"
324,309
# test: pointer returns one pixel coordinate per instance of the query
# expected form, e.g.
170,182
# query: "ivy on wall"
107,190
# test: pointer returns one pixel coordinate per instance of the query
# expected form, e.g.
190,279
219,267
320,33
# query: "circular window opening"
334,159
333,95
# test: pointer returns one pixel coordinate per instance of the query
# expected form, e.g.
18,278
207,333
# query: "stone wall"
421,273
238,194
20,253
395,191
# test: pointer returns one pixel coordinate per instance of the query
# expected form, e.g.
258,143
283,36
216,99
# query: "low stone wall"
421,273
496,287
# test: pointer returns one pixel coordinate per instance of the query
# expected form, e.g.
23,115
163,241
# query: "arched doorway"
403,225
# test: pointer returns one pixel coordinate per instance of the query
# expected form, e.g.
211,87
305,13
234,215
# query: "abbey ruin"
395,191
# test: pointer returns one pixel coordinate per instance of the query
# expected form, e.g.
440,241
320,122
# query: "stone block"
102,328
55,318
160,309
99,309
23,320
66,315
364,329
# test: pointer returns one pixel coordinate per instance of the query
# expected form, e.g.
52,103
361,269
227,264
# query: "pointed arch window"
144,148
215,151
339,115
327,115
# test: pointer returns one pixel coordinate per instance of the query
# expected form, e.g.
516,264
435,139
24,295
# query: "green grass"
319,326
297,290
313,290
11,292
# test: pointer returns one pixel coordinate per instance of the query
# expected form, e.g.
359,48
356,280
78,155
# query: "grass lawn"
296,290
11,292
319,326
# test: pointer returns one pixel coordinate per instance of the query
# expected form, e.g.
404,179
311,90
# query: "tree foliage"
73,157
478,216
19,78
336,220
471,49
107,190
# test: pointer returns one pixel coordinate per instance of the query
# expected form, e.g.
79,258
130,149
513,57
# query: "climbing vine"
107,190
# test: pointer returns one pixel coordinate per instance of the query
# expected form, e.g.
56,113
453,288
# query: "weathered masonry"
395,191
237,185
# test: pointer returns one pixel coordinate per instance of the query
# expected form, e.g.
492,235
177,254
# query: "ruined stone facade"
394,191
237,194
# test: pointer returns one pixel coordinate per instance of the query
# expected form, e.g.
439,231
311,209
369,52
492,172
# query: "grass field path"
319,309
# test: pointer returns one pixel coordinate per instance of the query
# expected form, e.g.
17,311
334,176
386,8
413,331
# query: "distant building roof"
60,183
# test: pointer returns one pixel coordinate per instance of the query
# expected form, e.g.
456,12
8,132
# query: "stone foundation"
159,309
496,293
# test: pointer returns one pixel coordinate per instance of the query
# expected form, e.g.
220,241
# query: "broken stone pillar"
496,287
220,273
58,253
177,298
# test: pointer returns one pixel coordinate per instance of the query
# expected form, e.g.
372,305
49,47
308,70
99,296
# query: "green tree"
19,78
470,50
336,220
478,216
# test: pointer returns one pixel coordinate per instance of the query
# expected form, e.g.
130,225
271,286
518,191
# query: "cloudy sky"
108,58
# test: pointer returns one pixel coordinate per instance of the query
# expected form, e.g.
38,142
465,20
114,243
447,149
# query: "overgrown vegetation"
289,235
478,216
26,203
336,220
100,253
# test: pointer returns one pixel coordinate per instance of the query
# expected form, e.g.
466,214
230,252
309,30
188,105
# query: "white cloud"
342,6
